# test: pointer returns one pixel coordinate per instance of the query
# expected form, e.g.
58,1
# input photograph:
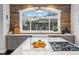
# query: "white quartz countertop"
40,34
26,49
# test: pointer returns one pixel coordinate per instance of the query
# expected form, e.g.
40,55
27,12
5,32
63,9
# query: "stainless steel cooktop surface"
63,46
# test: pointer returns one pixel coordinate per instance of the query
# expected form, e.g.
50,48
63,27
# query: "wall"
1,27
4,23
65,13
75,21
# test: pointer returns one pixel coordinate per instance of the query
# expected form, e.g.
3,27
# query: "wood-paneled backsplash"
65,13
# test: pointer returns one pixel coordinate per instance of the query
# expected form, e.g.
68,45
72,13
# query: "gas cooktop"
63,46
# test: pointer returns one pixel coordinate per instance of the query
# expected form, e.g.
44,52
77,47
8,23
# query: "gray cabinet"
12,42
70,38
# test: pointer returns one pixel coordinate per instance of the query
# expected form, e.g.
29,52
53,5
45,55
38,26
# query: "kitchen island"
26,48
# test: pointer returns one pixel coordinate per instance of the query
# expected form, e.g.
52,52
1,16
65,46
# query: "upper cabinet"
40,20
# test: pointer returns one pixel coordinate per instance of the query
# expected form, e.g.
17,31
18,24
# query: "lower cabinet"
12,42
70,38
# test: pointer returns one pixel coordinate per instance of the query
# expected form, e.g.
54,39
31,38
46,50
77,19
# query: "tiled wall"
65,13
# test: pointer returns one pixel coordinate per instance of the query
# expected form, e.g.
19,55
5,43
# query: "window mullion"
49,24
30,24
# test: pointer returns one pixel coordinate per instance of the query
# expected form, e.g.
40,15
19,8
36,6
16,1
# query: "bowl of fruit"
39,44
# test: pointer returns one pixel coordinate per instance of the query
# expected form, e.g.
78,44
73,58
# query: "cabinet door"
13,42
70,38
21,39
9,43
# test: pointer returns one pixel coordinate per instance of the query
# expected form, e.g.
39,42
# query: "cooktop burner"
63,46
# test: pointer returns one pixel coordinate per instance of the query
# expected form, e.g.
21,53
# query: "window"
40,24
40,20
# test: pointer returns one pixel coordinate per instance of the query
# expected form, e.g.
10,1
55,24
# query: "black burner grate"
63,46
